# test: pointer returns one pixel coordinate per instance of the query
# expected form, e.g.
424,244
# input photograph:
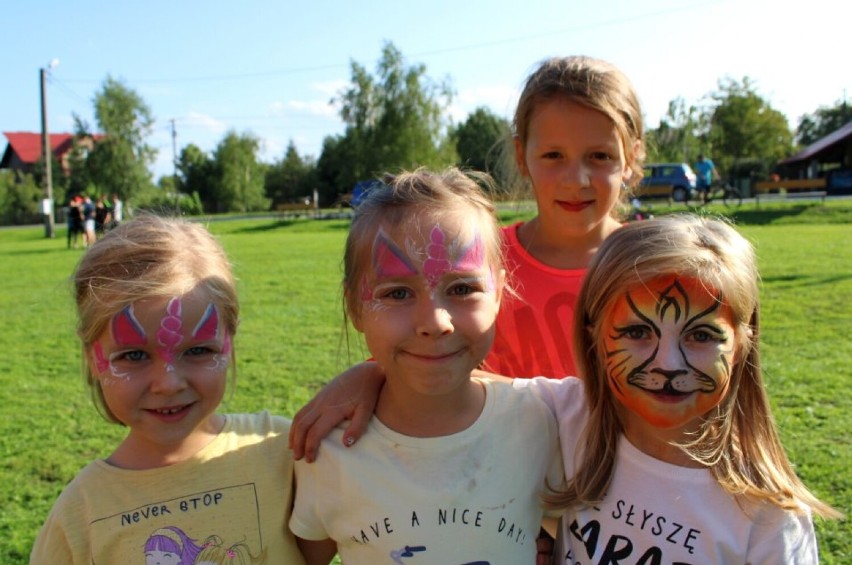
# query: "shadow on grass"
792,281
763,217
322,223
21,252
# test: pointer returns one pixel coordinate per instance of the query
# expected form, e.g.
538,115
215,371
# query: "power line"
456,49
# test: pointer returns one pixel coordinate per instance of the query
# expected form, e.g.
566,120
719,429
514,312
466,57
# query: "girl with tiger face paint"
669,353
678,459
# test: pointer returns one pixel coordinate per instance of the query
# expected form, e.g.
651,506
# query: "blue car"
674,181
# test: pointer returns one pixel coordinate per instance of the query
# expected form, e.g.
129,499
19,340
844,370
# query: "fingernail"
349,441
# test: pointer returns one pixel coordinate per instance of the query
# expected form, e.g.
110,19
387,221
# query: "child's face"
575,160
162,365
428,304
670,348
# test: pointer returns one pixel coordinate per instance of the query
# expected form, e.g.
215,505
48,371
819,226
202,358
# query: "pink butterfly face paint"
429,304
434,259
182,334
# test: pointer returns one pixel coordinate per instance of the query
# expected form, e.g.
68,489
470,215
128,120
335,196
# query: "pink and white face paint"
432,259
127,349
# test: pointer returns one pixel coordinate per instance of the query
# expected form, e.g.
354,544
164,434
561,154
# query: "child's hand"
352,396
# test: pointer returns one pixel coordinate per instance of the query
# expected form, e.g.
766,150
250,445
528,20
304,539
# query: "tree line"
395,117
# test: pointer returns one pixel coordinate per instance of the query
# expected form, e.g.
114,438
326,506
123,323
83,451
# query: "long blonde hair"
148,257
738,442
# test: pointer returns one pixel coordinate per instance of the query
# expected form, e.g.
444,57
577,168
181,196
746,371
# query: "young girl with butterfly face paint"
679,460
436,475
157,314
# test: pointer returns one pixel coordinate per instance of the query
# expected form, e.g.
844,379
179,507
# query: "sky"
272,68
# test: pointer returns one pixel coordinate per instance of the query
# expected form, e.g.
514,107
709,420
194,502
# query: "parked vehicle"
675,181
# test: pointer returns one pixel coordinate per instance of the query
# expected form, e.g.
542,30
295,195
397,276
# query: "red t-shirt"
534,329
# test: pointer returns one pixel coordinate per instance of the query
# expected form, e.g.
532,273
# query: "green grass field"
291,341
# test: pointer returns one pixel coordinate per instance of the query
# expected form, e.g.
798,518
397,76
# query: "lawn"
291,340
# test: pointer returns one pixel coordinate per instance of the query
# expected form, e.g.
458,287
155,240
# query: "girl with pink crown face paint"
423,278
427,311
157,314
162,364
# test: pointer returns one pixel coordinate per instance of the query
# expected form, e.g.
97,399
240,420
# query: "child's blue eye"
634,332
198,350
397,294
707,335
135,355
462,290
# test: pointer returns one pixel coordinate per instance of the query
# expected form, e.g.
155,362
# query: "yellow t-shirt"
237,490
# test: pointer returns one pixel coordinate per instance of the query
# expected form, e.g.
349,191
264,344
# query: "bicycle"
729,194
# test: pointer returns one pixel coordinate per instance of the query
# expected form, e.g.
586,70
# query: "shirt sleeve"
52,544
782,536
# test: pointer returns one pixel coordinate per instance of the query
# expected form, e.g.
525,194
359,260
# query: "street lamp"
47,203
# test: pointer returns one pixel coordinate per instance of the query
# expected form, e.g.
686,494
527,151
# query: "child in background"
679,460
436,476
579,141
157,314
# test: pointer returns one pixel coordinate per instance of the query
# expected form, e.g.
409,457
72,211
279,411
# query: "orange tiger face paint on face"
669,347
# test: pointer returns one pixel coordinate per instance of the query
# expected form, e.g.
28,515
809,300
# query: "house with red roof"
25,149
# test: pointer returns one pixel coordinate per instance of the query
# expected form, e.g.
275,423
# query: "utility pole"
47,203
174,167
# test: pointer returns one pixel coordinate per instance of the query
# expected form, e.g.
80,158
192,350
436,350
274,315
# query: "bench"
765,195
294,209
789,188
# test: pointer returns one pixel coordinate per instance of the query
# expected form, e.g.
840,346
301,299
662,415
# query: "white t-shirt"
473,496
656,512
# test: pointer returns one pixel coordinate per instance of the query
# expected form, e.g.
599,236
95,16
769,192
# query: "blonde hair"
148,257
596,84
739,442
408,196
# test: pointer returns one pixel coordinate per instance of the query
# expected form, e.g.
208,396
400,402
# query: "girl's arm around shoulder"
565,397
352,396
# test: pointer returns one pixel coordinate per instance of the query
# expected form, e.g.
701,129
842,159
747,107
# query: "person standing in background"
706,173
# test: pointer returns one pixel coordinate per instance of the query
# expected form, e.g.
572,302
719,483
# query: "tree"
334,172
197,175
290,178
676,137
744,127
240,179
20,197
119,162
481,140
393,120
822,122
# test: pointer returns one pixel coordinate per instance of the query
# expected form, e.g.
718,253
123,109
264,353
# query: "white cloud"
500,99
205,122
